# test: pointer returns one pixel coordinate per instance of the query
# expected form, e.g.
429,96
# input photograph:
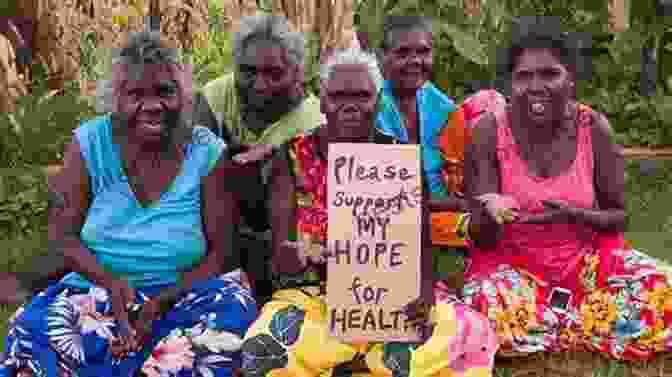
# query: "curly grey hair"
269,27
142,47
145,47
353,56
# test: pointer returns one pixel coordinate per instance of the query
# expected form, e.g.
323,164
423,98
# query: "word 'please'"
347,169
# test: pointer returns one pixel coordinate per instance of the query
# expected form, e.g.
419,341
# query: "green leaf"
371,18
466,44
663,106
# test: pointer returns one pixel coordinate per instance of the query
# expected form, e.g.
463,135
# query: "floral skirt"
66,331
621,305
291,339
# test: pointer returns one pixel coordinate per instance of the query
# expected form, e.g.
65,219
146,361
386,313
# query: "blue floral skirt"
66,331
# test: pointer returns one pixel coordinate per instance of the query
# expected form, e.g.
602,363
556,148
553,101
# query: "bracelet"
463,222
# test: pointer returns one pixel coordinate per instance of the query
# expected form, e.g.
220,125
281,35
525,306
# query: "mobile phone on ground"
559,300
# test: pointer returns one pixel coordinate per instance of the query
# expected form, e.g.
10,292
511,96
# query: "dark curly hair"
545,32
392,24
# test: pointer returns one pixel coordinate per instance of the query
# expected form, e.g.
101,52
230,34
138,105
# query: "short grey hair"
269,27
353,56
141,47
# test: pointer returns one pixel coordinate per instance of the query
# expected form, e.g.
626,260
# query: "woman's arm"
452,203
481,176
64,229
283,216
220,220
609,181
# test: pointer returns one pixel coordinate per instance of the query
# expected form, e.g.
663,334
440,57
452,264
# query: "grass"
648,204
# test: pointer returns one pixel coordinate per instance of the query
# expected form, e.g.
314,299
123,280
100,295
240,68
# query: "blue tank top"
149,246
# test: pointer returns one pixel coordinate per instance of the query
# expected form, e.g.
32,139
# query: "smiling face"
150,100
541,86
349,103
408,61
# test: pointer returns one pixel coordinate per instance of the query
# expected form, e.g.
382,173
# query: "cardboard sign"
374,193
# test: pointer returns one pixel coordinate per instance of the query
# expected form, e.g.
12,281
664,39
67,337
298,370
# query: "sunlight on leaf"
466,44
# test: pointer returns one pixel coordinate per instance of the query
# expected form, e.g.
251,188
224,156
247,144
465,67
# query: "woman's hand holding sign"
299,255
309,252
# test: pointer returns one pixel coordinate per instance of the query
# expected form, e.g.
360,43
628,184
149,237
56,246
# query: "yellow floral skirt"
290,338
620,306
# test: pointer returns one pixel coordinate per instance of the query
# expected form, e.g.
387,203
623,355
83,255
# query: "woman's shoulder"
95,131
207,144
597,121
303,139
95,124
484,131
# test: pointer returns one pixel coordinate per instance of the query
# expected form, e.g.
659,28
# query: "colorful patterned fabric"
555,287
67,330
434,109
290,337
442,136
482,102
627,316
452,142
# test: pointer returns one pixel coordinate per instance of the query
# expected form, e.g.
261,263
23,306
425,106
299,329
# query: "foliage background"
34,135
465,49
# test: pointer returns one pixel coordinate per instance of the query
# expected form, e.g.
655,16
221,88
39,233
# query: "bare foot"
11,291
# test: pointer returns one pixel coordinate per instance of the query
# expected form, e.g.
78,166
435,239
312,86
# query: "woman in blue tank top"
147,231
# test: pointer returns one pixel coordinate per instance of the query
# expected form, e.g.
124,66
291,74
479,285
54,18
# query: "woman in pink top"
548,263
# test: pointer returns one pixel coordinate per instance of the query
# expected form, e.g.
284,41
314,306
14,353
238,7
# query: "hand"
122,296
556,212
253,154
311,253
501,208
295,256
11,291
417,312
150,311
289,260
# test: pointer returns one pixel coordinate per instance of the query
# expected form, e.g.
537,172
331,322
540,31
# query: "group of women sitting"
151,211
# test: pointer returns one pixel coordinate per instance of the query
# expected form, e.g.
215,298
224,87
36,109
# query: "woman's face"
408,61
266,80
349,103
541,86
150,100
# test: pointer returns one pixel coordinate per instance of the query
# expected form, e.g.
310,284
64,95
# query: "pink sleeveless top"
549,251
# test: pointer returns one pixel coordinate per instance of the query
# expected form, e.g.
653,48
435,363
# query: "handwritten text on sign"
374,195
